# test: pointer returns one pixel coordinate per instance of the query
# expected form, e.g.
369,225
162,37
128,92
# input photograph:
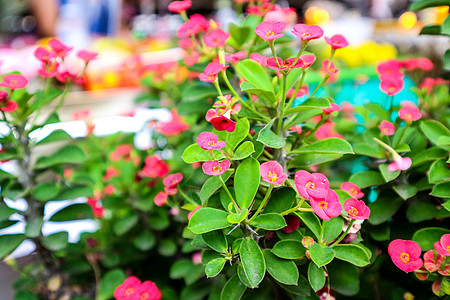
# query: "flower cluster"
133,289
12,82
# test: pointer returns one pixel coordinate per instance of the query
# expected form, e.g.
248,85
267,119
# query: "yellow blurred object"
316,15
407,20
441,13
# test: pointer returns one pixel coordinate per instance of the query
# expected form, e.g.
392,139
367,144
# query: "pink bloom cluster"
170,188
219,116
133,289
174,127
12,82
429,83
155,167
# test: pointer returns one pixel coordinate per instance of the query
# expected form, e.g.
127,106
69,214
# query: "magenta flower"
216,38
149,291
356,209
307,33
310,185
301,92
337,41
409,113
59,47
86,55
187,29
160,199
391,67
405,255
328,67
179,6
172,180
293,222
6,104
235,57
222,123
352,189
307,60
391,85
286,64
43,54
400,163
432,262
387,128
14,81
211,72
209,141
261,59
128,290
270,30
443,245
272,172
214,167
327,207
334,107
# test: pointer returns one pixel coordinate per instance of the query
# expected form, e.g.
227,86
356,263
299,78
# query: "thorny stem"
344,234
263,203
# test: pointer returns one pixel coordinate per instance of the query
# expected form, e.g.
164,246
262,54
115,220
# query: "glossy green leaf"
110,281
123,225
292,77
194,153
366,179
73,212
439,172
434,130
238,135
326,146
216,240
447,60
70,154
236,218
383,208
240,34
419,211
333,228
367,150
316,276
284,271
233,289
269,221
55,136
243,151
311,221
405,191
33,227
441,190
9,242
75,192
212,185
352,253
180,268
344,277
266,94
252,261
421,4
388,175
308,159
243,277
46,191
309,104
430,154
426,237
214,267
5,212
281,200
246,182
269,138
56,241
208,219
254,73
196,92
145,240
289,249
430,30
302,287
321,255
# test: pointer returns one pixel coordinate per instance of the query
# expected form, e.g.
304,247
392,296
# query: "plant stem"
322,230
294,209
343,235
274,53
395,155
216,84
238,209
282,105
319,85
391,104
187,197
296,90
263,203
302,48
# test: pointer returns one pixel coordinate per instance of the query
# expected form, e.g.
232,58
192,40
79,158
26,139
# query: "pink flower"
301,92
59,47
86,55
109,189
214,167
272,172
432,262
14,81
110,173
172,180
155,167
222,123
201,22
193,212
402,163
197,258
49,70
391,67
352,189
293,222
405,255
260,10
307,33
6,104
327,207
391,85
443,245
43,54
326,131
97,209
211,72
270,30
334,107
261,59
160,199
187,29
133,289
307,60
409,113
296,128
186,43
179,6
387,128
209,141
328,67
356,209
216,38
149,291
286,64
337,41
173,127
235,57
121,151
310,185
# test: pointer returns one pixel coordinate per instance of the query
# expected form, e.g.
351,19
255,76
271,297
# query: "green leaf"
352,253
311,221
233,289
434,130
5,212
46,191
321,255
123,225
255,74
333,228
167,248
212,185
33,227
426,237
145,240
447,60
73,212
405,191
56,241
235,218
180,268
242,276
246,182
328,146
289,249
309,104
292,77
266,95
214,267
430,30
55,136
269,138
366,179
194,153
430,154
75,192
313,159
368,150
238,135
269,221
216,240
9,242
316,276
70,154
301,288
252,261
383,208
198,92
419,211
421,4
439,172
240,34
5,175
110,281
208,219
280,201
388,175
443,140
344,278
441,190
284,271
243,151
380,232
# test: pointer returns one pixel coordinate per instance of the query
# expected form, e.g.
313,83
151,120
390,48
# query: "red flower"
216,38
173,127
97,209
179,6
334,107
270,30
296,128
172,180
86,55
43,54
401,163
310,185
356,209
293,222
391,85
387,128
211,72
109,189
14,81
272,172
222,123
209,141
443,245
6,105
160,199
326,131
111,172
409,113
307,33
337,41
215,168
261,59
155,167
432,261
405,255
352,189
328,206
59,47
121,151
